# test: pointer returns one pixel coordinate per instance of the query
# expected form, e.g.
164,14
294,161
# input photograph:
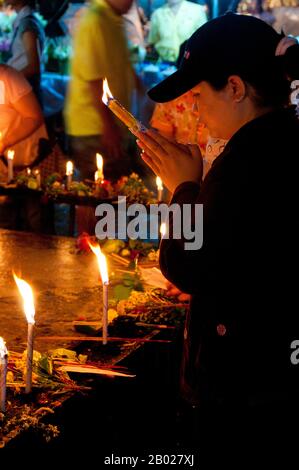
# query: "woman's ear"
237,88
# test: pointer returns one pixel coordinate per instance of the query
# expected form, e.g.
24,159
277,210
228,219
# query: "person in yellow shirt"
172,24
100,51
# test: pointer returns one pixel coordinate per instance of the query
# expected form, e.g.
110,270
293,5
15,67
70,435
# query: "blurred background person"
27,43
172,24
21,119
136,30
90,125
100,51
22,127
179,120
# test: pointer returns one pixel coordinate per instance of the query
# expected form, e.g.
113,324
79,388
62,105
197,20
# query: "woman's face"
215,110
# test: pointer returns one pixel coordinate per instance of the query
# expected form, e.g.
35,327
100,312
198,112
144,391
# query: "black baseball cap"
231,44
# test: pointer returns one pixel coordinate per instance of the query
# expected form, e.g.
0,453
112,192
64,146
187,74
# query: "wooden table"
24,196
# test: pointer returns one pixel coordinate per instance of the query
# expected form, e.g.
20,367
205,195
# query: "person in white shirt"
172,24
27,43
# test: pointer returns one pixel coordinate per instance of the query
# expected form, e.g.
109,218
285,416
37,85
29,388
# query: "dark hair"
270,82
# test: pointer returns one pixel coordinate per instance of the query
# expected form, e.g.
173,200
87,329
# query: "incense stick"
99,339
120,259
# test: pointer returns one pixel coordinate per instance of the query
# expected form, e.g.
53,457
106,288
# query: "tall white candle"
105,312
29,358
3,373
29,310
98,181
10,159
160,188
105,281
69,174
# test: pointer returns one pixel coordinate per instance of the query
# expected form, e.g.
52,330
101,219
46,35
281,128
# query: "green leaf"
122,292
46,365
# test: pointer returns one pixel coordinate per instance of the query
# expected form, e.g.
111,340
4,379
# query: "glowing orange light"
28,299
106,92
159,183
102,262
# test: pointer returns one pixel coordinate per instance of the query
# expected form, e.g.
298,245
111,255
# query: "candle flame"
28,171
69,168
163,229
100,162
102,262
3,349
11,154
98,176
106,92
159,183
27,295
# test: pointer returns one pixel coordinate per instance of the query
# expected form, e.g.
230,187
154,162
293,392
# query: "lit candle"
3,373
159,188
29,171
10,158
98,182
38,178
97,177
163,229
69,174
29,310
122,113
105,281
100,165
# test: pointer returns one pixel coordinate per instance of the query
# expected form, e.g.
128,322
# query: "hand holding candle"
122,113
105,280
29,310
3,373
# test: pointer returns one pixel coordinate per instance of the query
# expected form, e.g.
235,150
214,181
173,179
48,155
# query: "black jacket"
243,281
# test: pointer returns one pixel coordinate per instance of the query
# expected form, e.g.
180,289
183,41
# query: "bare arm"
29,109
31,47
